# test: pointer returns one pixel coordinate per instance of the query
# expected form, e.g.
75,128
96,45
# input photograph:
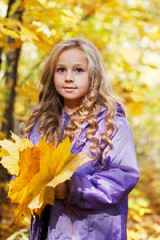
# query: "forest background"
127,33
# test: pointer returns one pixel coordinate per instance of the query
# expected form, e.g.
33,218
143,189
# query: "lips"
68,87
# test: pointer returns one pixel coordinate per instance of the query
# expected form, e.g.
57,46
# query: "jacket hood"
119,112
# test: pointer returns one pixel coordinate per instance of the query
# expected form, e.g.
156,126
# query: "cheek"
87,85
84,81
57,82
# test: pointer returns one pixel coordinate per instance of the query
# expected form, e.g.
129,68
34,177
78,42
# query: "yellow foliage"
34,4
136,108
67,13
154,35
39,170
28,34
10,160
21,143
2,136
42,16
2,119
28,167
9,32
11,23
25,92
43,45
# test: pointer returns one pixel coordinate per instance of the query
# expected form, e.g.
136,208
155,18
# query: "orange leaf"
40,169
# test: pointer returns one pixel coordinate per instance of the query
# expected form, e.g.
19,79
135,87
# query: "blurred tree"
0,56
12,56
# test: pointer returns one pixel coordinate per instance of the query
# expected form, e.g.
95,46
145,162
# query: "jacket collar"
102,113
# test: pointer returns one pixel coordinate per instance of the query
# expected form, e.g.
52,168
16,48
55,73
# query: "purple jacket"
98,191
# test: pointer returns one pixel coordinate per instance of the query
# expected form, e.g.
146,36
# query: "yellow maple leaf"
21,211
29,166
10,152
39,169
68,169
21,143
58,169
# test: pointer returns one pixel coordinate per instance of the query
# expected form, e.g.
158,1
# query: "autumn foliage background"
127,33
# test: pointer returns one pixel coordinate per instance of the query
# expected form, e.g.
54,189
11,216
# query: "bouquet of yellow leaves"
38,170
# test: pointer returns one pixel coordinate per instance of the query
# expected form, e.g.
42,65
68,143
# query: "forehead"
72,55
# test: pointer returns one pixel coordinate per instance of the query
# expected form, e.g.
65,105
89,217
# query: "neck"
71,106
69,110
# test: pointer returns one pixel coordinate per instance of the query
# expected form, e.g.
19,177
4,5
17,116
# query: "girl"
76,101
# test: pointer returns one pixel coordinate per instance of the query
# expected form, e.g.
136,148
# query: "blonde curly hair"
50,104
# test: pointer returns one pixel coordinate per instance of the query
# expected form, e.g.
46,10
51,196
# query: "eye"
79,70
60,69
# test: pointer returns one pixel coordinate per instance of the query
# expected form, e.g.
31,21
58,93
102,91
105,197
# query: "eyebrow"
75,65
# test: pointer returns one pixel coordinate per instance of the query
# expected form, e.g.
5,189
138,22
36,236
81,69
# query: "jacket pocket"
103,226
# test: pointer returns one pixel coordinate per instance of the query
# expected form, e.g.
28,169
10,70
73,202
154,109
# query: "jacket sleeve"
113,182
35,134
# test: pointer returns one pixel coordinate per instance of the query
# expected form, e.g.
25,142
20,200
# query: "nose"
69,76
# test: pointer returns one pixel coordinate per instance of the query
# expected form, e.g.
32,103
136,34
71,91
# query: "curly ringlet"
50,104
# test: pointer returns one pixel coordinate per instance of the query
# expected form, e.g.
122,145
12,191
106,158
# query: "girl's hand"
61,191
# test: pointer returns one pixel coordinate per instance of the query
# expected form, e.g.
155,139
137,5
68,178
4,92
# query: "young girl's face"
71,78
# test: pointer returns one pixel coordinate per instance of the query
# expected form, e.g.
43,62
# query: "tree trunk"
11,74
0,57
12,58
11,82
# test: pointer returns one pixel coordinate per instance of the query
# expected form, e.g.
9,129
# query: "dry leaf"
10,152
39,169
